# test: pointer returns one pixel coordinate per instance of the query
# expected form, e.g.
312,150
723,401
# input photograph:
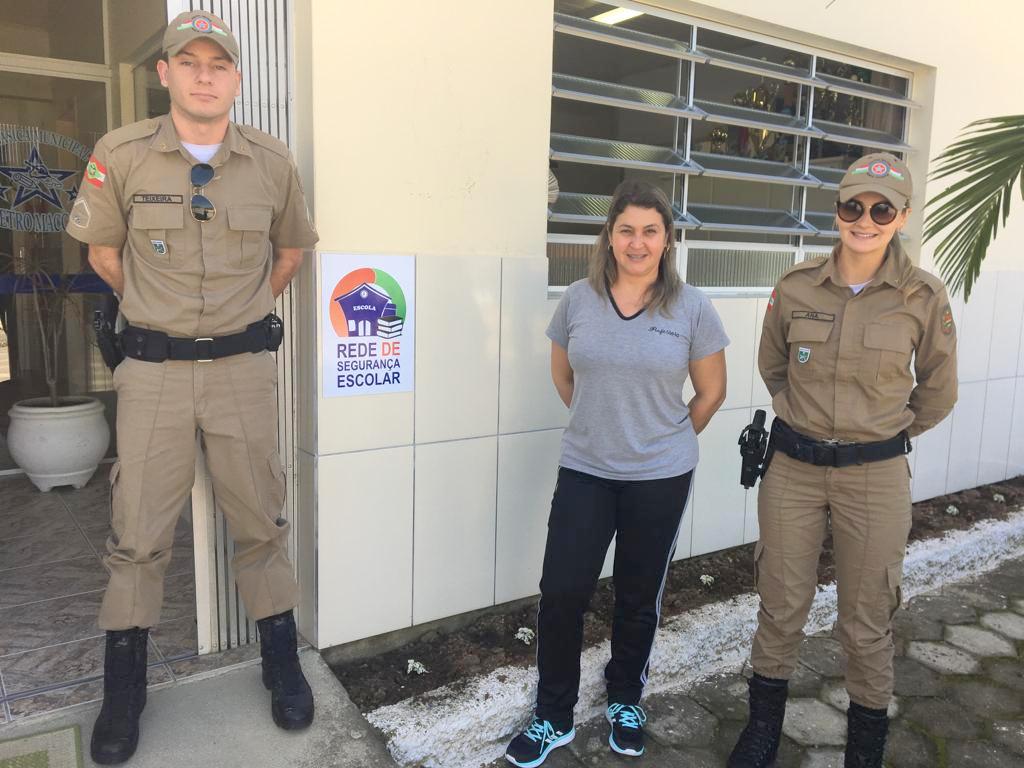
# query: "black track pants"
586,511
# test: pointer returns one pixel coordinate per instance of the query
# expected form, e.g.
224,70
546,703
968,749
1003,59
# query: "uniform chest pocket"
888,349
158,232
248,235
808,340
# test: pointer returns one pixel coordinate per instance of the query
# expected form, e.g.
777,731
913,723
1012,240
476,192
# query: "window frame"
685,109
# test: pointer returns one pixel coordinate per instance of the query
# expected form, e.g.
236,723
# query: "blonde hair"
604,271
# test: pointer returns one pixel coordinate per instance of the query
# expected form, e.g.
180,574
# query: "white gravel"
468,724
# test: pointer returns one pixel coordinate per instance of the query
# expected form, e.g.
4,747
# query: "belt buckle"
200,358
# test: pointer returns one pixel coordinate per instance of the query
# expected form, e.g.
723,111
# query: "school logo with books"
368,302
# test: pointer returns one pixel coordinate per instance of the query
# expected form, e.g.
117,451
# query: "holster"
103,323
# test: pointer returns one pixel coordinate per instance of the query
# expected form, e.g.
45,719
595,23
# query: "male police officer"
198,223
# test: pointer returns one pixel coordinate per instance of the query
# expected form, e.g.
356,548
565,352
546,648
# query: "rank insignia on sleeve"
947,320
159,247
803,354
95,172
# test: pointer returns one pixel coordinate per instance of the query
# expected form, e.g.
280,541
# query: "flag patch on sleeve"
95,172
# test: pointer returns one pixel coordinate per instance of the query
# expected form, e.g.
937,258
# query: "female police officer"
622,345
840,336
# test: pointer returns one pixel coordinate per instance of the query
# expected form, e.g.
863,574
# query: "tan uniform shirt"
838,365
181,276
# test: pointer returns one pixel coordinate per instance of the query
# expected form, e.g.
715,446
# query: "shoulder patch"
265,140
131,132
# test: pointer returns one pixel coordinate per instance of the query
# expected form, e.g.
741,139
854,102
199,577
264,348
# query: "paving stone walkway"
959,694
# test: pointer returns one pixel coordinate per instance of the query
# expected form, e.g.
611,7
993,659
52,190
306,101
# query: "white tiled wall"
457,348
364,544
453,543
719,501
455,517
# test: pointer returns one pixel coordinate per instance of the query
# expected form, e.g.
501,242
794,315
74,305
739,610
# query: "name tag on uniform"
171,199
825,316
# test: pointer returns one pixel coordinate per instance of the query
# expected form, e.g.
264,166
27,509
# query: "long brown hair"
604,271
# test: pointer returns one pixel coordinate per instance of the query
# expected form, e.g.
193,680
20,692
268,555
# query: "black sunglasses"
881,212
202,208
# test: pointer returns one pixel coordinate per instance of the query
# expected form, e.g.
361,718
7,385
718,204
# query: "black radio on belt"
157,346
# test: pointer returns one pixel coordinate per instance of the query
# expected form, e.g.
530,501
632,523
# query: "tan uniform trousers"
869,507
160,406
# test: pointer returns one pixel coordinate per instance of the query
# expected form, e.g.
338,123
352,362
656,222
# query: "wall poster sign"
34,196
368,306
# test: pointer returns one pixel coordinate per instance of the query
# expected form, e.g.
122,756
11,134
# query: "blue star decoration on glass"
34,179
72,193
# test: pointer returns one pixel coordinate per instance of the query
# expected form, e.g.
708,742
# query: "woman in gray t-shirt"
623,343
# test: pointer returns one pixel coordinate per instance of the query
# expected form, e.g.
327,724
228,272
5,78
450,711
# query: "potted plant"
55,439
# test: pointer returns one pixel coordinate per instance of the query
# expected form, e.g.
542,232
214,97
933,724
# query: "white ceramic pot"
58,446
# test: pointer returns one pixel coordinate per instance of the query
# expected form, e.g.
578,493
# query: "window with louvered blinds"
748,136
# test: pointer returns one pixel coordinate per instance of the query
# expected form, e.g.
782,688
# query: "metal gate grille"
262,29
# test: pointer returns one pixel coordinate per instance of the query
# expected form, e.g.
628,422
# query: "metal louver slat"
742,63
825,223
578,208
830,177
865,90
623,96
619,154
732,268
727,218
756,118
747,169
861,137
628,38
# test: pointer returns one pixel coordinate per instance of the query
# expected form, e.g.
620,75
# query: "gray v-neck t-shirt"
627,419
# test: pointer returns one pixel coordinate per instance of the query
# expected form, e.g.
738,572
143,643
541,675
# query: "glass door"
48,125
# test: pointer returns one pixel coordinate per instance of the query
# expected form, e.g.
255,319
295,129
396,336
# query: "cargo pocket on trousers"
277,488
115,472
894,577
758,551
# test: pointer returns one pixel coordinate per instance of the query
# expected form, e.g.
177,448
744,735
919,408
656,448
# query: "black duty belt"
826,453
157,346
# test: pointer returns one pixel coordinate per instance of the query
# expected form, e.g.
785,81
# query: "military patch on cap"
879,169
203,25
95,172
803,354
947,320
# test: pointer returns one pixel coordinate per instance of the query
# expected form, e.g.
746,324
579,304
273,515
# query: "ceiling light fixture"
616,16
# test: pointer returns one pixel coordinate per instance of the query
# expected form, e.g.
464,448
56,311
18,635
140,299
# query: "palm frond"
991,154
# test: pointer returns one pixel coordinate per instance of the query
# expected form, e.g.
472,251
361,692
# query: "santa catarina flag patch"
95,172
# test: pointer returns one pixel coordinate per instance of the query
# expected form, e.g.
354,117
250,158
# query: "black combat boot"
291,700
866,730
116,733
759,742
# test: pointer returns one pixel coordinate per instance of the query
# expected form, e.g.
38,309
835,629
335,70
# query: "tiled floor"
51,585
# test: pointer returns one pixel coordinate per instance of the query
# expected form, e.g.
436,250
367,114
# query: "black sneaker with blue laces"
532,747
627,736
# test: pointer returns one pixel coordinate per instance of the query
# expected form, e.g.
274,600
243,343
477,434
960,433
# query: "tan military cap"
191,25
878,172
